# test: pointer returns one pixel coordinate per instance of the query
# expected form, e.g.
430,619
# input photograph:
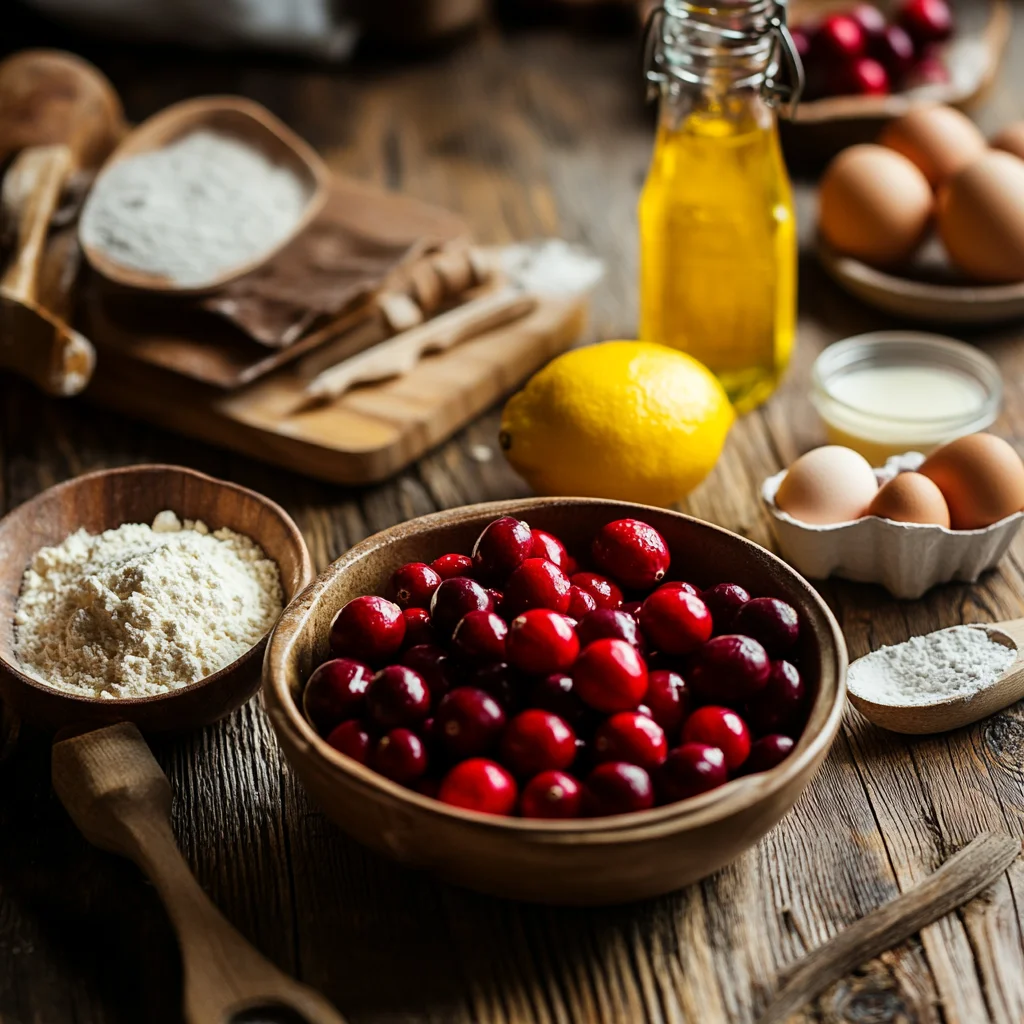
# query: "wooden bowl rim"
195,109
734,796
294,534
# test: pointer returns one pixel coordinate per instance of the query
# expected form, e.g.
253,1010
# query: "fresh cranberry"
601,589
778,706
556,693
839,38
434,664
351,738
455,598
580,602
537,583
729,670
336,690
632,737
368,628
612,624
643,709
397,696
413,584
668,698
418,629
618,788
926,21
767,752
724,600
547,545
774,624
537,741
863,77
479,785
632,553
870,19
450,566
689,588
674,621
722,728
691,769
400,756
610,676
894,50
633,608
497,600
468,722
501,548
480,636
551,794
501,681
541,641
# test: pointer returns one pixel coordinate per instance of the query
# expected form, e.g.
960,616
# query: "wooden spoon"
120,799
953,712
230,115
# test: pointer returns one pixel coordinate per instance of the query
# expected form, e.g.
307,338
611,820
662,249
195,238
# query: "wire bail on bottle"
747,40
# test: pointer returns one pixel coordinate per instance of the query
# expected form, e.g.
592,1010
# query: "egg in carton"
906,558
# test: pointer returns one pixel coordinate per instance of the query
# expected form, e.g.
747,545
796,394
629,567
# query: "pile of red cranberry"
514,681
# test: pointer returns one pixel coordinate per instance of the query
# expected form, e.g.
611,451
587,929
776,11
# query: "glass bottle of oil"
718,248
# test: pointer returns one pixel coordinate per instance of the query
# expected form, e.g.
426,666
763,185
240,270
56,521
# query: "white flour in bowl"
140,610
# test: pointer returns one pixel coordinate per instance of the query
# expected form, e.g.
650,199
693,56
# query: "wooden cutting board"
366,435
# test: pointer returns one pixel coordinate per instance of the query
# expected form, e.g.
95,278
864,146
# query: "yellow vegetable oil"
718,247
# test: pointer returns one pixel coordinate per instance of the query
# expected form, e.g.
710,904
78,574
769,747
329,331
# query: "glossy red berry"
480,636
455,598
368,628
839,39
610,676
536,741
729,670
501,681
479,785
774,624
779,706
895,51
351,738
719,727
724,600
767,752
632,553
413,584
691,769
601,589
631,737
336,691
502,547
617,788
926,21
551,794
870,19
434,664
541,641
418,629
668,698
536,583
497,601
675,621
397,696
610,624
400,756
450,566
580,602
863,77
547,545
556,693
468,722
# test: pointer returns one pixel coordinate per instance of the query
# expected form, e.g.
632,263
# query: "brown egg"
1011,139
938,140
981,218
910,498
874,204
980,476
827,485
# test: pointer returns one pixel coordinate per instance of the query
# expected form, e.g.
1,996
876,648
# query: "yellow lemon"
629,420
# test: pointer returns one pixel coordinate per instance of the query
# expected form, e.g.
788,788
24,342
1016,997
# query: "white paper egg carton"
905,558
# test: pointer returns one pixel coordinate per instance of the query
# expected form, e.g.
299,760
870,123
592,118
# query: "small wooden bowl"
583,862
234,116
105,500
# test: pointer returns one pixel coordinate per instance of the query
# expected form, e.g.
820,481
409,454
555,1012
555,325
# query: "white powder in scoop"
954,662
140,610
198,207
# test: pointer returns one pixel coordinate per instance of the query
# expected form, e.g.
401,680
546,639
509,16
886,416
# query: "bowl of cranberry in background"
493,736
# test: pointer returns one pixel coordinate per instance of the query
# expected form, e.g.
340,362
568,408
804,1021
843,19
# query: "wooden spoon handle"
959,880
120,799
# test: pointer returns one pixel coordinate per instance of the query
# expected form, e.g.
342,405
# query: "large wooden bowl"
136,494
588,861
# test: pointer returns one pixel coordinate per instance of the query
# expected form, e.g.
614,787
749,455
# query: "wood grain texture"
534,134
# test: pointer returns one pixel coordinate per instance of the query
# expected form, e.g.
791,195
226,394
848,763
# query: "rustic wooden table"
533,134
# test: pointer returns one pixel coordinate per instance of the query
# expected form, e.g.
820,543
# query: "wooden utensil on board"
953,712
120,799
958,881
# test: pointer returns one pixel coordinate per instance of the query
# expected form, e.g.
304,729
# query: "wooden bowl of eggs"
929,222
912,524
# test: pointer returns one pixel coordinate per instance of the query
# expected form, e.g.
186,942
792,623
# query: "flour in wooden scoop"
138,611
